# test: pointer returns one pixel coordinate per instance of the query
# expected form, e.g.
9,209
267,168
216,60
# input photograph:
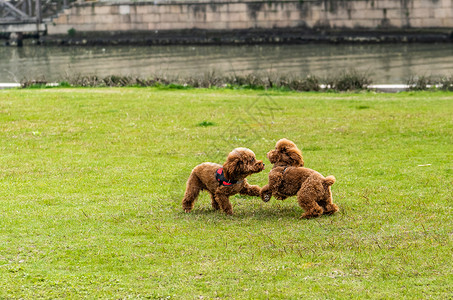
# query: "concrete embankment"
253,21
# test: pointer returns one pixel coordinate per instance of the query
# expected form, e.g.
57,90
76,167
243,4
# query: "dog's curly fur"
240,163
289,178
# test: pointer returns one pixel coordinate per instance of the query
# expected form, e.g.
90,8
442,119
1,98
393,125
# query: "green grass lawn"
91,183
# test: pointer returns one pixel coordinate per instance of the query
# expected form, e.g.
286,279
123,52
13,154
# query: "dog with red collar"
223,181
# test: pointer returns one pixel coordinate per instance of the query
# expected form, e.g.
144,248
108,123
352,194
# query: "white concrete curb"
9,85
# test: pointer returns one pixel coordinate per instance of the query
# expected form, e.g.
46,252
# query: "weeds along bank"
350,80
256,21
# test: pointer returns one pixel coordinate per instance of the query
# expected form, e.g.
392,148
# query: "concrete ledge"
389,88
24,28
204,36
9,86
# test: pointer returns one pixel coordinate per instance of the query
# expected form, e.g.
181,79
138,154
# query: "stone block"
163,26
106,27
428,4
75,19
110,19
343,24
175,9
90,19
388,4
125,19
58,29
447,22
124,27
442,13
140,9
428,22
367,23
294,16
211,16
140,26
85,27
283,23
114,9
181,25
361,5
124,9
152,26
446,4
237,7
368,14
136,18
102,9
169,18
151,9
397,23
272,15
394,13
218,7
238,25
150,18
213,25
279,15
315,15
421,13
345,14
162,8
63,19
227,17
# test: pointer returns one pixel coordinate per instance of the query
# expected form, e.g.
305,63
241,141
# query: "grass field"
91,182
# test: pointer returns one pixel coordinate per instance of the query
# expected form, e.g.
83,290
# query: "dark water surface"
385,63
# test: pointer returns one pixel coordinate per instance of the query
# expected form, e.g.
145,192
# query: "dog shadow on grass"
248,209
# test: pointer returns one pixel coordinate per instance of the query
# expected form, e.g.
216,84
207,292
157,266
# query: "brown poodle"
223,182
289,178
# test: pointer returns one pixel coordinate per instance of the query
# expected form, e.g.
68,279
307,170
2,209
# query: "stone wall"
236,15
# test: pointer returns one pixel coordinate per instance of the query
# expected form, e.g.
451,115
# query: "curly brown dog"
223,182
288,178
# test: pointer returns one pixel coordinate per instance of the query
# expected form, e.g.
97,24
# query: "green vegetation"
345,81
91,182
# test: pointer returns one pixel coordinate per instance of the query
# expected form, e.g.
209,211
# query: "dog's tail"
329,180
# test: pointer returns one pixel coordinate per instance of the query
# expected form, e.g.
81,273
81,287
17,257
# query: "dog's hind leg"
193,188
308,196
328,205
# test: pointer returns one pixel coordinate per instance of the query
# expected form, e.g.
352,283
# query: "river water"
385,63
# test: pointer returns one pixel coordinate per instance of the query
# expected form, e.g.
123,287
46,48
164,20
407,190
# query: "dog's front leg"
224,202
250,190
266,193
214,203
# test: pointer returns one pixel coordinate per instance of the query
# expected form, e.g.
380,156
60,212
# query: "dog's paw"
266,197
187,210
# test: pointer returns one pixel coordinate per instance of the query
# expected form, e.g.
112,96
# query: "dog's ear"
232,166
296,156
